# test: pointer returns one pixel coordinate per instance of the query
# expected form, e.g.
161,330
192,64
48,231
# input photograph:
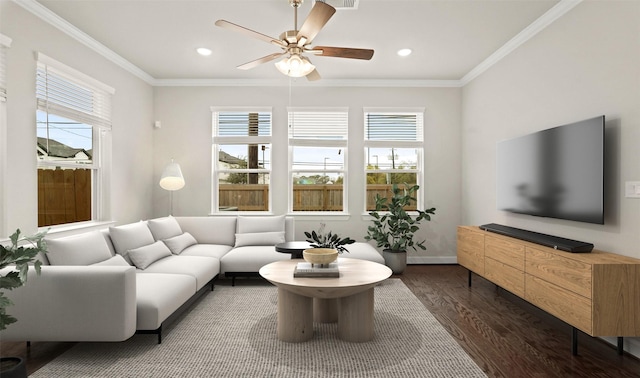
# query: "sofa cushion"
160,295
363,251
130,236
203,269
116,260
164,228
83,249
250,258
259,238
177,244
146,255
207,250
210,230
260,224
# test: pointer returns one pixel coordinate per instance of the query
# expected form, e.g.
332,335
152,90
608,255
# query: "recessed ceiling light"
203,51
404,52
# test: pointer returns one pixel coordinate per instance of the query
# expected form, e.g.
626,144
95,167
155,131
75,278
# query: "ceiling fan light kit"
297,41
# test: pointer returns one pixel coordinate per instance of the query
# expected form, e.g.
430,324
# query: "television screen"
556,173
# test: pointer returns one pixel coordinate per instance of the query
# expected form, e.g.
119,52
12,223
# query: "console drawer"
505,276
567,273
564,304
471,250
507,252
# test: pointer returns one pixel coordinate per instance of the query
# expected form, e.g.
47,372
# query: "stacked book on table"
305,269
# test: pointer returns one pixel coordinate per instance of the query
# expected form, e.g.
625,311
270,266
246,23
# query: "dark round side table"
295,248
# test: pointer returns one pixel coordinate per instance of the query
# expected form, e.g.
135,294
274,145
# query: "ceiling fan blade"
248,32
317,18
313,76
343,52
264,59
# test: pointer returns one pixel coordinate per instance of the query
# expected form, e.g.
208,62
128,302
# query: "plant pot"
395,260
13,367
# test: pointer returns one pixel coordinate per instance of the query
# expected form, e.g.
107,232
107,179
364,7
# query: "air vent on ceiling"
341,4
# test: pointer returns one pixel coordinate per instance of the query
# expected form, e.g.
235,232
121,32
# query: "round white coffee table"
347,299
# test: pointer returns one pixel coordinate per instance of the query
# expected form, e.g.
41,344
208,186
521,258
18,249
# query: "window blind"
393,126
5,42
68,93
318,124
237,124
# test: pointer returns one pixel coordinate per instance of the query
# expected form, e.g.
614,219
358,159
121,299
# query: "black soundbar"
555,242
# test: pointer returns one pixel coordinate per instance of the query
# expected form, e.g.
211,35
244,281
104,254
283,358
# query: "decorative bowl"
320,256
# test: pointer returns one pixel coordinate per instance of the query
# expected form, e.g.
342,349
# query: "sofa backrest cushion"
164,228
260,224
130,236
177,244
210,230
146,255
83,249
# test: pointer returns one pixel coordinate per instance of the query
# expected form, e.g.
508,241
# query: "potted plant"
330,240
325,247
22,253
394,227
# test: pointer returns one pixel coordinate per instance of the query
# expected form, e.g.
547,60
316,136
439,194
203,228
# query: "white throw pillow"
177,244
164,228
130,236
144,256
84,249
116,260
260,224
259,238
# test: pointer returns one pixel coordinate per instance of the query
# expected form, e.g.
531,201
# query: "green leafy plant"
393,227
329,240
22,252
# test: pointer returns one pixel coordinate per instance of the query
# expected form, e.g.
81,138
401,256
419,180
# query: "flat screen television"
555,173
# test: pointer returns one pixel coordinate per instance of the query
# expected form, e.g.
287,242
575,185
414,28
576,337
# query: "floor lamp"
172,180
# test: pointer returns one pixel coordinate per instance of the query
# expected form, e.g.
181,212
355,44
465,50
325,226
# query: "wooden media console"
597,292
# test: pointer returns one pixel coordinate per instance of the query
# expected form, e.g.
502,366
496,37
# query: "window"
241,159
5,43
393,151
317,155
73,124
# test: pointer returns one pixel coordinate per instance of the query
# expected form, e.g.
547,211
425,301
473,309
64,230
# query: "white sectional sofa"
107,285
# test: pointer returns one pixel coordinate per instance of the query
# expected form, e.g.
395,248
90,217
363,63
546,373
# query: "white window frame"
5,44
218,140
339,140
98,116
417,143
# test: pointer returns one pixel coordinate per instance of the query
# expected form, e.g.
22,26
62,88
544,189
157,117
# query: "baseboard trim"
631,344
432,260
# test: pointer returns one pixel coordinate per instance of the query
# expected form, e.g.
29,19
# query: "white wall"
185,135
585,64
132,123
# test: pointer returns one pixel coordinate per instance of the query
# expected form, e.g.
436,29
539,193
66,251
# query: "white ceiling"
449,38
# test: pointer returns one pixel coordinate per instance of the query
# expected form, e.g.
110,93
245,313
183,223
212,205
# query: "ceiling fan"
296,42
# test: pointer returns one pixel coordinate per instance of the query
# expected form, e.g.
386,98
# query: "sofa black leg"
160,334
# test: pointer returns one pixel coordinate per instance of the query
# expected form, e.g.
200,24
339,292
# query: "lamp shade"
295,66
172,177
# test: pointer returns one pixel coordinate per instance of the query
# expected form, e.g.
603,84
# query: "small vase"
395,260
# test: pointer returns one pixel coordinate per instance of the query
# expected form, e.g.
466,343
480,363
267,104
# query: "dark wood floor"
504,335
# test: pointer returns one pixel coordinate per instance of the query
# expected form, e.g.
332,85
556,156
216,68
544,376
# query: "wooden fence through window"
64,196
255,197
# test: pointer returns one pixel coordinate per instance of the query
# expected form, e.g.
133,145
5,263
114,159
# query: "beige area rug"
231,332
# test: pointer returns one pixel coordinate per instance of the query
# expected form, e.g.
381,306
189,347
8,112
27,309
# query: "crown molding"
305,83
63,25
526,34
529,32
